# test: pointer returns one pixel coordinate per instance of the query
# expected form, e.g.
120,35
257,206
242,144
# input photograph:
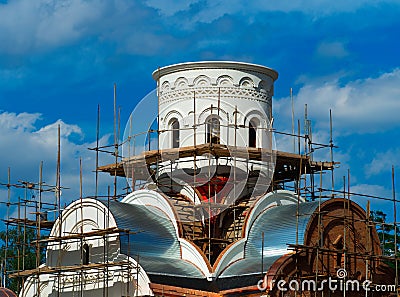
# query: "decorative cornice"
215,65
210,92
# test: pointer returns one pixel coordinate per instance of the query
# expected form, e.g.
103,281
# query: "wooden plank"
32,223
52,270
287,165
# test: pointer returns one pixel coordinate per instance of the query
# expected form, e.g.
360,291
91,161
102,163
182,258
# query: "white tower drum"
215,117
214,139
227,103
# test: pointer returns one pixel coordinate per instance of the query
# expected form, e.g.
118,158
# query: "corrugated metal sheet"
155,242
158,247
279,227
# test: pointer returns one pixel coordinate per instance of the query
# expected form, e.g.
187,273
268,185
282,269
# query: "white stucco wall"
123,276
192,92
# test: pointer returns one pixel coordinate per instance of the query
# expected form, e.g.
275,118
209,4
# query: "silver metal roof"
156,242
279,226
158,247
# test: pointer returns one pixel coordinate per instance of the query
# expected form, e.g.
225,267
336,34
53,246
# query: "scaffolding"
28,236
296,171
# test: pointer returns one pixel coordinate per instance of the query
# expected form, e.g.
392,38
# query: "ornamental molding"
223,92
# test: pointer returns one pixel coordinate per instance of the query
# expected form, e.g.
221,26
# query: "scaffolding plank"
44,224
287,165
60,269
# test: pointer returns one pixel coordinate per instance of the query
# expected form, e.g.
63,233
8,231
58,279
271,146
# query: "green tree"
386,232
18,252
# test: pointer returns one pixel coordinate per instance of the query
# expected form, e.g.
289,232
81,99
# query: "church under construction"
214,208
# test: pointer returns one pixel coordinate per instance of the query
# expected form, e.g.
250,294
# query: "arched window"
174,126
85,254
252,134
212,130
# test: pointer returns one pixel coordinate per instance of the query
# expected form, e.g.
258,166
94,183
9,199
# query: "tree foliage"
18,252
386,232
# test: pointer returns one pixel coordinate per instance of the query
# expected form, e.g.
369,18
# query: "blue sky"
59,59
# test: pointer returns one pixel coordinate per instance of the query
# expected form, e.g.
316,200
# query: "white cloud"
169,8
371,190
31,25
365,106
362,106
18,122
318,6
383,162
49,132
375,204
212,10
24,144
332,49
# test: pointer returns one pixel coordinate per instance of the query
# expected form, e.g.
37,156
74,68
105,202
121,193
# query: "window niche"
85,254
213,130
253,125
174,127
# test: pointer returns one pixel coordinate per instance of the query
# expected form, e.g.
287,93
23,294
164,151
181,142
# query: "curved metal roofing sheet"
153,239
159,250
279,226
278,197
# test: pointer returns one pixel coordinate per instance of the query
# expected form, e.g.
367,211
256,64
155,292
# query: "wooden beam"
286,164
